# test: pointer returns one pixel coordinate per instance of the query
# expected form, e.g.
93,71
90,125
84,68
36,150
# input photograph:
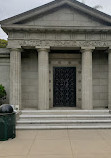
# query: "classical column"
87,78
43,78
15,77
109,79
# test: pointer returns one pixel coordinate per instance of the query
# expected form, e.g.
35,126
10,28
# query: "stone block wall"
5,71
29,79
100,79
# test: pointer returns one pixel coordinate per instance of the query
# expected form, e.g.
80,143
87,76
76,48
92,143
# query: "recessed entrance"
64,87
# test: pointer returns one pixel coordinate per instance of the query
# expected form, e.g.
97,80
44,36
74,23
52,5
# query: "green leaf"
2,92
3,43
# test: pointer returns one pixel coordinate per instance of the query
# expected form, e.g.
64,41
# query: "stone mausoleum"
58,55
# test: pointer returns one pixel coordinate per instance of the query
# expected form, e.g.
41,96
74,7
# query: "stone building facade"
58,55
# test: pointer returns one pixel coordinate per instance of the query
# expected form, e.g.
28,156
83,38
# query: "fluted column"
15,77
87,78
109,79
43,78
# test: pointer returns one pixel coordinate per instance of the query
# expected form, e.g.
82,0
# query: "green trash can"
7,126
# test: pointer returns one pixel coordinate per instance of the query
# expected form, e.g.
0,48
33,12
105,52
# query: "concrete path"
58,144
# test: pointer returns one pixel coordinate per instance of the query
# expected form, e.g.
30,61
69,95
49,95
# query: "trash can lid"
6,108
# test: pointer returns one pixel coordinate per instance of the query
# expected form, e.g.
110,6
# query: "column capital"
87,49
15,49
40,49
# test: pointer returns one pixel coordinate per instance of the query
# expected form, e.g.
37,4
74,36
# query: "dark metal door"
64,93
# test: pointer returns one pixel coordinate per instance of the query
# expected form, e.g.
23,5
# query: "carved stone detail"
64,43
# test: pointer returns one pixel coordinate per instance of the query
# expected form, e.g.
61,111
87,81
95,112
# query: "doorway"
64,86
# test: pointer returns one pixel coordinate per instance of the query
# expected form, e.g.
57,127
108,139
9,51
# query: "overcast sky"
10,8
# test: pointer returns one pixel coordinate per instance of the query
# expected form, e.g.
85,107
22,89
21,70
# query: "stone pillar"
15,77
109,79
87,78
43,78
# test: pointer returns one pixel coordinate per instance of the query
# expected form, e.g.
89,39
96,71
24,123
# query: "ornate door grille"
64,93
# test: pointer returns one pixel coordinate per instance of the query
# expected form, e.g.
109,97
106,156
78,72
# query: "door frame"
66,63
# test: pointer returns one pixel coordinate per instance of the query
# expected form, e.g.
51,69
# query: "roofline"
24,13
54,4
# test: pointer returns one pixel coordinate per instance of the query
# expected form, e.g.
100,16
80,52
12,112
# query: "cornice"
77,29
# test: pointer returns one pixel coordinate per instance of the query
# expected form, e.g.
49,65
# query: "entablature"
57,43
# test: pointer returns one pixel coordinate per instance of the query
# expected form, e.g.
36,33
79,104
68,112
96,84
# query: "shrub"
2,92
3,43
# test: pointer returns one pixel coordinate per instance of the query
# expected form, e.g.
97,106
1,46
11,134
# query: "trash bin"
7,126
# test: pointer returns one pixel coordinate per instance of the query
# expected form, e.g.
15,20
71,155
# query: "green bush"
2,92
3,43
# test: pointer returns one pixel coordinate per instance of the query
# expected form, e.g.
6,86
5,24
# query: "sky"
9,8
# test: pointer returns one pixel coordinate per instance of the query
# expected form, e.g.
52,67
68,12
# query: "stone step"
61,121
65,119
46,127
50,117
38,119
64,112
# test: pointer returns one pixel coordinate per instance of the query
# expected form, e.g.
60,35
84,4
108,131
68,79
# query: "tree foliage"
2,92
3,43
95,7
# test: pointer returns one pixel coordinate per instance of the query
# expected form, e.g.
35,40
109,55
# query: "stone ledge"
38,28
4,51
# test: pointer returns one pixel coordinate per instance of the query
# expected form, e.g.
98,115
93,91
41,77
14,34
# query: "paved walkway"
58,144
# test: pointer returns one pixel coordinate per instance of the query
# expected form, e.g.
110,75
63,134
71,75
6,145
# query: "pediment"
64,16
61,13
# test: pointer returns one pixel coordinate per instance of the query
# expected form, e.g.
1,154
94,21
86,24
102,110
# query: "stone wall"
29,79
100,79
5,71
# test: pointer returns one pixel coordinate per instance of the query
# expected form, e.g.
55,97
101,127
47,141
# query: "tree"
2,93
3,43
95,7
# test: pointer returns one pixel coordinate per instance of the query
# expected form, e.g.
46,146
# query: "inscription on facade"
64,43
